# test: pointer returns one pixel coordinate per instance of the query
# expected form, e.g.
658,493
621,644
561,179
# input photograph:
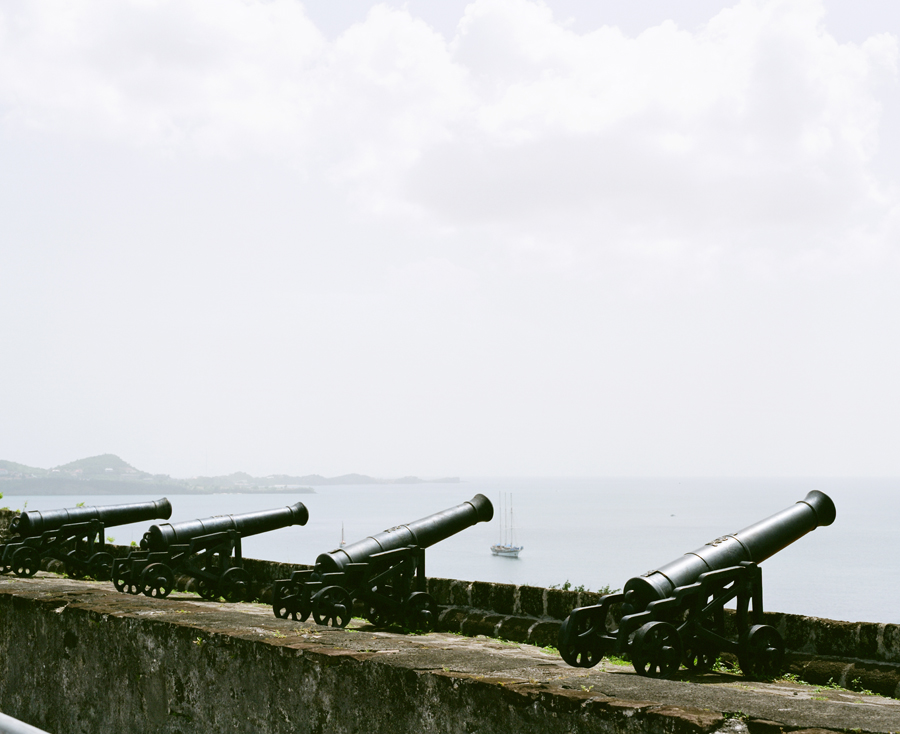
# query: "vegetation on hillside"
12,468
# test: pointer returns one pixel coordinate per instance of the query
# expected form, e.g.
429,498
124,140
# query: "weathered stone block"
502,599
798,633
820,672
6,517
867,644
836,638
561,603
480,624
515,628
881,679
440,590
890,643
544,634
459,593
531,601
481,595
451,620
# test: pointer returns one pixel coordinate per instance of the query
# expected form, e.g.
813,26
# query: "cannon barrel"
422,533
160,537
35,522
754,543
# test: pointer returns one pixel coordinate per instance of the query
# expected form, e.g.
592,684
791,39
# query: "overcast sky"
504,237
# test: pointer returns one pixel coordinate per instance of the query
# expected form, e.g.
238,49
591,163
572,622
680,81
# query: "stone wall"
851,654
76,657
6,517
131,664
532,615
855,655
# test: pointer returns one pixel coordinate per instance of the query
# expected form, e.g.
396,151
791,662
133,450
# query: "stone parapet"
851,654
79,657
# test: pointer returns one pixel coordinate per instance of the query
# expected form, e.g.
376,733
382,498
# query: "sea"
592,532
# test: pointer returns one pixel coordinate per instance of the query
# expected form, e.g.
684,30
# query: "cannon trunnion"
675,614
208,550
75,536
384,572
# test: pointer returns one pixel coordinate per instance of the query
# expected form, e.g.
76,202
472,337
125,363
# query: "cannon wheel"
235,585
420,611
208,589
379,615
298,607
100,566
74,569
761,653
579,646
157,580
698,657
121,579
332,606
26,562
656,650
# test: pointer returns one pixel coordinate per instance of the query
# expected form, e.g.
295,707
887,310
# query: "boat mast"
506,521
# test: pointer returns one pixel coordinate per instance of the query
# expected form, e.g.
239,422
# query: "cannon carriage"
207,550
676,614
75,536
385,573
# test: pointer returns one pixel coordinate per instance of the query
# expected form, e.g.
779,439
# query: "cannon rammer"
676,614
208,550
385,572
75,536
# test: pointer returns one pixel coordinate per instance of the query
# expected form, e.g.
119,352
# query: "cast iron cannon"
74,536
385,572
675,614
208,550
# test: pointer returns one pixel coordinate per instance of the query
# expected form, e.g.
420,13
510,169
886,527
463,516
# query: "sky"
490,238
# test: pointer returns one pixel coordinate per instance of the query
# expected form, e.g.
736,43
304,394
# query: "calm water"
596,532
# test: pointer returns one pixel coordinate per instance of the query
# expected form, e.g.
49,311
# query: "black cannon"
75,536
385,572
676,614
207,550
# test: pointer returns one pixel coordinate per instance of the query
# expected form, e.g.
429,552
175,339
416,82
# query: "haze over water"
595,532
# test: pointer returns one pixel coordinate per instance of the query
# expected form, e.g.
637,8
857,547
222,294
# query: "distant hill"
11,467
105,465
108,474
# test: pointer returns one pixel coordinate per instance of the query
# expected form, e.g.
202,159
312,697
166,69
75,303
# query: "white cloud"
159,72
756,126
757,123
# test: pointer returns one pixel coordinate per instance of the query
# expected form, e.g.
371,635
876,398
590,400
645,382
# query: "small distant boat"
343,542
507,545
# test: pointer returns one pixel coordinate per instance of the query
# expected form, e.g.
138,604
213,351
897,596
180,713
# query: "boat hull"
510,551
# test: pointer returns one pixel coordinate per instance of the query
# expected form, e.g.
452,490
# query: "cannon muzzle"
754,543
160,537
35,522
422,533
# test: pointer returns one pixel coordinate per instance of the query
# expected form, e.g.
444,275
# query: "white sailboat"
507,545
